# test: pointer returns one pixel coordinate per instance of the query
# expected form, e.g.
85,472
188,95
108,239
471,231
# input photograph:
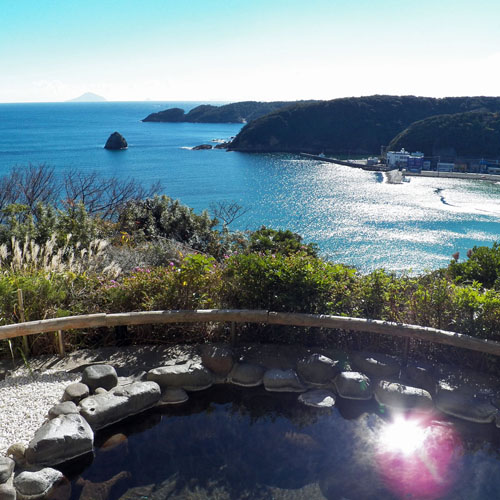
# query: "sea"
355,217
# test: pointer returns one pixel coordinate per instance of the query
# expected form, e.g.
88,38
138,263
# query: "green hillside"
348,125
237,112
473,134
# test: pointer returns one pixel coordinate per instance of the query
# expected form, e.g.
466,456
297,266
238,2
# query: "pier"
348,163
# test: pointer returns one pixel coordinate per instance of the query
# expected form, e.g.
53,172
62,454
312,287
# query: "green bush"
295,283
482,265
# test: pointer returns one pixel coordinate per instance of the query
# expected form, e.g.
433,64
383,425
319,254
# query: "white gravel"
25,401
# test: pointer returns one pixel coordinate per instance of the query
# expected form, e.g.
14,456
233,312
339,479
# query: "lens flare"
418,458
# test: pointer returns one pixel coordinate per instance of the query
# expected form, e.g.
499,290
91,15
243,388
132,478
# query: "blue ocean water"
354,216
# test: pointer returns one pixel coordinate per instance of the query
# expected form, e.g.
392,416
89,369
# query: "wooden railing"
251,316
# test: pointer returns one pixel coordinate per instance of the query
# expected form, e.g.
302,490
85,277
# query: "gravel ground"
25,401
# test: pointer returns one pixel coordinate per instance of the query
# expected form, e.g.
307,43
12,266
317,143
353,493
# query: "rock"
173,396
7,492
246,374
497,420
353,385
102,410
218,359
6,468
100,376
99,491
100,390
17,451
115,142
222,145
191,376
420,374
276,380
76,392
34,485
201,147
376,364
140,376
399,396
317,369
466,406
60,439
318,398
66,408
451,378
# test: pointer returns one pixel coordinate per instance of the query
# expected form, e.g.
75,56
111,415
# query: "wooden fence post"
60,343
20,305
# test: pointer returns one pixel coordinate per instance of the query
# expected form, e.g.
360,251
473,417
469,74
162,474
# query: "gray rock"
100,390
400,396
100,376
6,468
102,410
318,398
376,364
59,440
34,485
218,359
140,376
173,396
276,380
246,374
420,374
7,492
466,406
353,385
116,141
191,376
317,369
66,408
76,392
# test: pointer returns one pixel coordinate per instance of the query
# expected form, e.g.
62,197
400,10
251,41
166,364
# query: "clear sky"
53,50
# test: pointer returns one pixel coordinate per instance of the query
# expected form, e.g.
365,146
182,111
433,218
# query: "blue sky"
54,50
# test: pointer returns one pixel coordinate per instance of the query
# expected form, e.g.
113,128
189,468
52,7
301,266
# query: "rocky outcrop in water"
116,142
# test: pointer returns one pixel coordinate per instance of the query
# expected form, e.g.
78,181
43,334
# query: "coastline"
455,175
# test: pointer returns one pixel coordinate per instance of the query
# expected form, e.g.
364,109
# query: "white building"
396,159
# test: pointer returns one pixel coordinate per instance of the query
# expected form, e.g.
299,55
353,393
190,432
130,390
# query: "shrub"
295,283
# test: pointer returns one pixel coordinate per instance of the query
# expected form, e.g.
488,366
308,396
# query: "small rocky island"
115,142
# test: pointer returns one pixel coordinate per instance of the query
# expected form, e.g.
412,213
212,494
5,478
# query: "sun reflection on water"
419,458
403,435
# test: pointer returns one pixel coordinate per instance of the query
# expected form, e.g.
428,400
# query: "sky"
201,50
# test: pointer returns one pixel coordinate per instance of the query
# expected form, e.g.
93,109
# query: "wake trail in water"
438,191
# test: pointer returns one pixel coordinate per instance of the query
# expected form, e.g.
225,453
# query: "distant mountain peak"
88,97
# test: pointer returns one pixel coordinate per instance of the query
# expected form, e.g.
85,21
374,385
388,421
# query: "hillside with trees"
356,125
237,112
473,134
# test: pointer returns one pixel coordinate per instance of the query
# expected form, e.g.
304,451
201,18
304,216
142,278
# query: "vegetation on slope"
237,112
348,125
471,135
155,253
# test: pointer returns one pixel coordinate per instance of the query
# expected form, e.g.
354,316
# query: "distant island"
88,97
237,112
361,125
